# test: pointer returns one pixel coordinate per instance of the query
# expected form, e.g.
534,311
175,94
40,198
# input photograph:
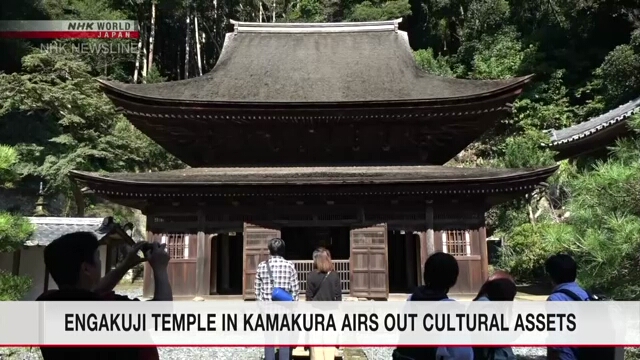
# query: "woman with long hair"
323,284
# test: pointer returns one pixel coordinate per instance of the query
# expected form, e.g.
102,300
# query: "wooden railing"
304,267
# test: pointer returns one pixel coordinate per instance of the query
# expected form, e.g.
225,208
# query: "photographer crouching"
73,260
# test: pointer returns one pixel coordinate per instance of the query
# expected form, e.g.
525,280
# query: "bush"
14,231
525,251
13,288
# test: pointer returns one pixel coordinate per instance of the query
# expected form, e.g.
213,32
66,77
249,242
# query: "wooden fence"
304,267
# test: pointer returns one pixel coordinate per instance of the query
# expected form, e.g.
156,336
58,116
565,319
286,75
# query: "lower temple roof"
263,186
316,175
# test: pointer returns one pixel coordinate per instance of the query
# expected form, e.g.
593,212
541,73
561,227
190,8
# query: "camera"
146,247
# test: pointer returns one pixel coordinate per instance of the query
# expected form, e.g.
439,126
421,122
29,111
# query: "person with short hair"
441,272
73,260
563,270
276,272
323,284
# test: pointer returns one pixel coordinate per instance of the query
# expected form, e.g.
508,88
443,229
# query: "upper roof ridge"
289,28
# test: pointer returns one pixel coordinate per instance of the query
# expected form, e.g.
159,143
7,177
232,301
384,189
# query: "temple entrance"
302,241
403,261
227,250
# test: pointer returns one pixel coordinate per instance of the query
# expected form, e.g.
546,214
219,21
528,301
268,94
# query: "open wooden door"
256,240
368,263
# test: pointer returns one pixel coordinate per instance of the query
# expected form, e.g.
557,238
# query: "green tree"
14,231
78,127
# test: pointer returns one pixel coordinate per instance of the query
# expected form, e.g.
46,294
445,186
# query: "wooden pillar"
484,257
16,262
224,262
409,252
203,260
200,263
431,248
427,241
214,247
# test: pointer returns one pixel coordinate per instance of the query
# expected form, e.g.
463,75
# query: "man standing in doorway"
276,272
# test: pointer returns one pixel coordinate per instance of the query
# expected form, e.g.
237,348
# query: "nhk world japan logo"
69,29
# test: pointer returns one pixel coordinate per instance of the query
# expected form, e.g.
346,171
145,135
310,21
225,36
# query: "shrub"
525,251
13,288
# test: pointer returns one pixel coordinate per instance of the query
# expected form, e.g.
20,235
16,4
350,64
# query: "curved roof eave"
519,175
516,84
595,125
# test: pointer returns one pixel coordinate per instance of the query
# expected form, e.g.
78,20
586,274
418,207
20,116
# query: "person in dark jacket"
73,260
440,274
323,284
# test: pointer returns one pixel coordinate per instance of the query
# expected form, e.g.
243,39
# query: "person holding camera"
73,260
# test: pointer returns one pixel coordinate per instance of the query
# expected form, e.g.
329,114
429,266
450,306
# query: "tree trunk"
260,18
137,69
186,45
152,35
195,19
273,18
144,57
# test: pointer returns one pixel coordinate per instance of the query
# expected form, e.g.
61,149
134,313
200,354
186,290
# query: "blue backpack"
278,294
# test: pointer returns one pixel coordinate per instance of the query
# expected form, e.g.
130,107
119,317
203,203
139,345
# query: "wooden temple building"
592,137
324,135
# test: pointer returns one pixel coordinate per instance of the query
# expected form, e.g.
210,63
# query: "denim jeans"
270,353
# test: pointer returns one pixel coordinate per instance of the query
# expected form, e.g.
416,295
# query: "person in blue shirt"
562,270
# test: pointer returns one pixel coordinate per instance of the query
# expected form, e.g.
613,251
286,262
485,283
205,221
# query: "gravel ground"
196,353
522,353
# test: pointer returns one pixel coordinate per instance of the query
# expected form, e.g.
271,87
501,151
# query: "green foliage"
14,231
600,231
379,10
525,151
8,159
437,65
499,56
13,288
525,252
88,133
309,11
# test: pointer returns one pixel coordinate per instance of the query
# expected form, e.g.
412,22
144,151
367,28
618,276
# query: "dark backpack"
595,353
415,353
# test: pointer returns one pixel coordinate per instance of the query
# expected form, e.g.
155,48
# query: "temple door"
256,240
368,263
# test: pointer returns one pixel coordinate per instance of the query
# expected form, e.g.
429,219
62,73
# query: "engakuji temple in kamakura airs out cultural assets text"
323,135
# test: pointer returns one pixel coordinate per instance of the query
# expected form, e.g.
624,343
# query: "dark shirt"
329,290
93,353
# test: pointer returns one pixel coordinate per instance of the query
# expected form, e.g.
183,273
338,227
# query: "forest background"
585,55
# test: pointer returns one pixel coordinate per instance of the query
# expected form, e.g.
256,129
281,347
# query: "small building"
324,135
29,260
593,136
